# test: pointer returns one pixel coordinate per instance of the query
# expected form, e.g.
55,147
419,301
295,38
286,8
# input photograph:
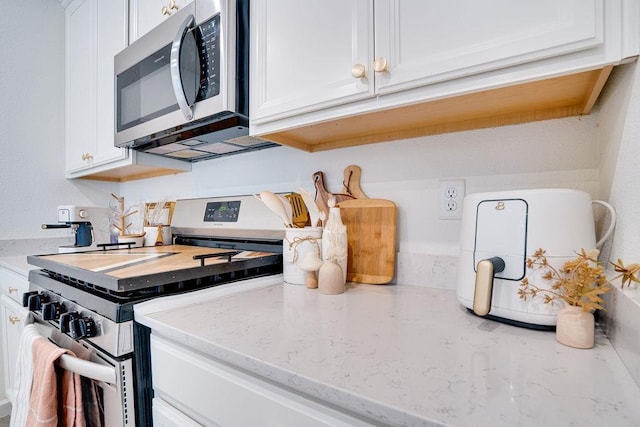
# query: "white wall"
556,153
32,174
619,135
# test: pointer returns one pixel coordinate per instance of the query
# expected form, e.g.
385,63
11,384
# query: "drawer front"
214,394
165,415
13,285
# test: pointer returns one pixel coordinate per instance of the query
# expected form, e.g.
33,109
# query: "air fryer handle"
485,271
612,222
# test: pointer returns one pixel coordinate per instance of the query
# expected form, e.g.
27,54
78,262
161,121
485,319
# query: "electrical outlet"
450,197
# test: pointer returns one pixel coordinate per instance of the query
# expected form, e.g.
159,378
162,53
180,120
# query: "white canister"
298,242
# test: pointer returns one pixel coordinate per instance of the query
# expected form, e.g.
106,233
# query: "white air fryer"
500,230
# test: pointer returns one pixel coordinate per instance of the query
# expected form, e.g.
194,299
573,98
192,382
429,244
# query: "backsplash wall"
557,153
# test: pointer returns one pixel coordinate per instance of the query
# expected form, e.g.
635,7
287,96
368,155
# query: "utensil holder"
151,235
298,242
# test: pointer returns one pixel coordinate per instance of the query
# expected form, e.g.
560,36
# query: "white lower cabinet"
191,386
165,415
12,317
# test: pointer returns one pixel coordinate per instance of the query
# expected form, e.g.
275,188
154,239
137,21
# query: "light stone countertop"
400,355
17,264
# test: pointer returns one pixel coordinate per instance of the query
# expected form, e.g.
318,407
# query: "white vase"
334,241
330,279
575,328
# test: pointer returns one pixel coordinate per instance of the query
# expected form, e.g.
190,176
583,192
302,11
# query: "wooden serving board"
371,237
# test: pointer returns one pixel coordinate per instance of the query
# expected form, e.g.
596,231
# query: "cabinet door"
12,318
146,14
302,56
96,31
215,394
111,38
80,115
426,41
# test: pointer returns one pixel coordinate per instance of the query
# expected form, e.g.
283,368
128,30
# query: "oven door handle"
88,369
176,77
84,368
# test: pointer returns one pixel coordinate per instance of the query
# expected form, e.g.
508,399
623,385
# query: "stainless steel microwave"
182,90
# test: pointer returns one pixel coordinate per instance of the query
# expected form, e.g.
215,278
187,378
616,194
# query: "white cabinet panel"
215,394
12,315
80,114
96,31
111,38
429,41
12,321
302,56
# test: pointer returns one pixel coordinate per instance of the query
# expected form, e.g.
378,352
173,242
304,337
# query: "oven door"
172,76
105,380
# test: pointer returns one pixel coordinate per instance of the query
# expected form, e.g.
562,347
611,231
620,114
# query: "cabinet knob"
87,156
172,6
14,319
12,290
380,65
358,71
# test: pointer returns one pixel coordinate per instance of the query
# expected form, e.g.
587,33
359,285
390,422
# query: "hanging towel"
23,375
56,394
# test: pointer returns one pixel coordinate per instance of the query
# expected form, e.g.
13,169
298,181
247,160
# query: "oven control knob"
36,301
26,296
51,310
83,327
65,321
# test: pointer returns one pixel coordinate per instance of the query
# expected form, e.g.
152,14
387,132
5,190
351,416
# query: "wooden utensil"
351,182
299,217
323,195
312,207
371,239
274,203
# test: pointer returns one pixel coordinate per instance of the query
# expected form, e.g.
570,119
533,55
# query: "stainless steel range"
89,296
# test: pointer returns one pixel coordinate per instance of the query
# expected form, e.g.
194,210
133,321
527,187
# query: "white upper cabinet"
426,41
305,57
323,74
95,32
146,14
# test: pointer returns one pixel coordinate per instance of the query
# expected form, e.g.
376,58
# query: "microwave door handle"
176,78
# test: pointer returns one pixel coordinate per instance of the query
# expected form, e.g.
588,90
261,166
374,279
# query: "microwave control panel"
208,34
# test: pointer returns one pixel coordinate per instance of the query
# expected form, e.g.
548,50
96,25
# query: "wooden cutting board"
371,236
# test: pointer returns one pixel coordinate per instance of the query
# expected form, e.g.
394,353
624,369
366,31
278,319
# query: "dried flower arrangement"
628,273
580,282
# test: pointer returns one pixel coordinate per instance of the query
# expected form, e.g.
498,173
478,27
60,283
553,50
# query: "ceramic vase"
330,280
575,328
334,240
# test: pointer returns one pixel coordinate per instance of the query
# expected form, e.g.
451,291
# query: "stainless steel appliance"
182,90
499,230
90,225
89,296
